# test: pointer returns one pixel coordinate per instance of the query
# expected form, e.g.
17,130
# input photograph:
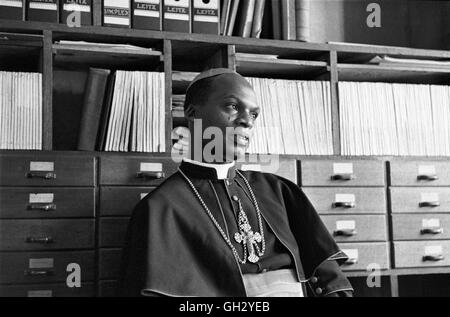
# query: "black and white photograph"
224,153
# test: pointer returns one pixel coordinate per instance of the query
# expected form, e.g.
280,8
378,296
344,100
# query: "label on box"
41,198
342,168
40,293
151,167
427,170
43,5
431,223
42,166
41,263
251,167
429,197
433,250
345,225
345,198
351,253
11,3
147,8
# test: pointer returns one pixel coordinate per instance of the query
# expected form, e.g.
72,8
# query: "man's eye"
233,106
254,115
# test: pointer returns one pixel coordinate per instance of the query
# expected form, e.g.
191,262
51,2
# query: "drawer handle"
39,273
427,177
345,233
342,177
433,204
351,261
432,231
433,258
43,175
42,240
151,175
43,207
341,204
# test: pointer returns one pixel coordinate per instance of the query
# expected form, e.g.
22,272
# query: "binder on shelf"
258,18
177,16
205,16
147,14
117,13
225,16
92,108
288,25
74,12
12,9
233,17
246,13
43,10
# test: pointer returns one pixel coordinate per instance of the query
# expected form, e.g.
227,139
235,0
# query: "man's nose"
245,120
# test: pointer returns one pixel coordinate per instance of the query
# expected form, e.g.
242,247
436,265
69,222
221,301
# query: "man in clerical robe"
213,230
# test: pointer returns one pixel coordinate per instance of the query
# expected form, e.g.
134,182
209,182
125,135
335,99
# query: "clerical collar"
206,170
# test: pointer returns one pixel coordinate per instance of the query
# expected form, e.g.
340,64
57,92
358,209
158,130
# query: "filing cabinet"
350,197
286,168
419,196
47,224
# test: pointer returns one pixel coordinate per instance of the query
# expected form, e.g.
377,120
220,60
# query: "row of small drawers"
79,202
51,169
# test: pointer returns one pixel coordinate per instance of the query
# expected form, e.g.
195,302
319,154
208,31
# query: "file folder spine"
43,10
82,7
147,15
205,17
117,13
12,9
177,16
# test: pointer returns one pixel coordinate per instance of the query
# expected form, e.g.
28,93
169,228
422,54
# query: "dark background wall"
411,23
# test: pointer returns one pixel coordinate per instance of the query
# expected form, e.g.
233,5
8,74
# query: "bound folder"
177,16
205,16
117,13
147,14
42,10
78,11
12,9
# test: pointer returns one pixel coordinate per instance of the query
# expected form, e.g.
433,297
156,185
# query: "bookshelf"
31,46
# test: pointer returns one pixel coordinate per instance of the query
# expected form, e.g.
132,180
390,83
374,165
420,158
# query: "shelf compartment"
20,52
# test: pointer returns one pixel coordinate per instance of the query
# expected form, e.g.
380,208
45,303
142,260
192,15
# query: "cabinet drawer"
286,168
346,200
46,170
49,234
422,199
422,253
342,173
421,227
47,290
135,171
419,173
363,255
358,228
108,288
109,266
44,267
120,201
47,202
113,232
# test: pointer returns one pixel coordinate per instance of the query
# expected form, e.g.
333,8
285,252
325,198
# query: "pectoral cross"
247,237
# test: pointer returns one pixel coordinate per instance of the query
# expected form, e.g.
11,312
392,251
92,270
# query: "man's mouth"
242,139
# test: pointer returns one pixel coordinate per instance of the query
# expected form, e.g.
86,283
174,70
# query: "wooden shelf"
402,272
105,57
359,72
280,68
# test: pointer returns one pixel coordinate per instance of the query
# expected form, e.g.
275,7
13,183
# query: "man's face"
231,105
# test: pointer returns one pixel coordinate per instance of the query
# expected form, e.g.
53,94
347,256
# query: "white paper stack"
394,119
295,117
137,119
20,111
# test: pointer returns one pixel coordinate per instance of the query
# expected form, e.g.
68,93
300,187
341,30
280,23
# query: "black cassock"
174,249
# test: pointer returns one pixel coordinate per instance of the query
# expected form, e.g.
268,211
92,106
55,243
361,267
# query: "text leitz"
179,10
80,2
146,6
208,12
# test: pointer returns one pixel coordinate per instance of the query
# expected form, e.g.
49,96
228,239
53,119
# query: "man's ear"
189,112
